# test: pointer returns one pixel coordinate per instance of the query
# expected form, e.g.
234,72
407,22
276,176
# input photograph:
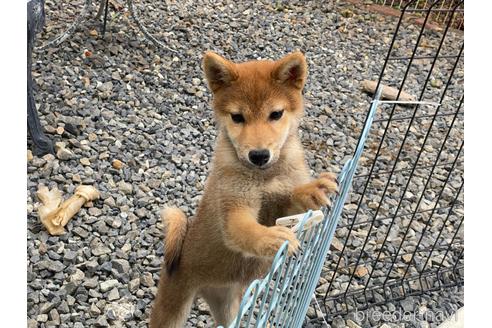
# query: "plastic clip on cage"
281,299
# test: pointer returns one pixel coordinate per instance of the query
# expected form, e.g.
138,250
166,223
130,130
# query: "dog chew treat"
387,92
55,216
293,222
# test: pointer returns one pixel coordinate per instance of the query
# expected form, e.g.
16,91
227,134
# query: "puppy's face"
257,103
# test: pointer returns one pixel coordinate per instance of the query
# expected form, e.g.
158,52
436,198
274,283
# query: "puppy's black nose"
259,157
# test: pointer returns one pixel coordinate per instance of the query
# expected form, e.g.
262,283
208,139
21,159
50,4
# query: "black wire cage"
401,232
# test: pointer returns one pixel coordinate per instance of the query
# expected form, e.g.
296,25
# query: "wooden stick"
387,92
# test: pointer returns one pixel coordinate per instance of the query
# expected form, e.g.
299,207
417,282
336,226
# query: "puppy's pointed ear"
291,70
219,71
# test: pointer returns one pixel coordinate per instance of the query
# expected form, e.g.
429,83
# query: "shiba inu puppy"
258,174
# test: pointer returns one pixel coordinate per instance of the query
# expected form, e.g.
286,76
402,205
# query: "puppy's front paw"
313,194
273,239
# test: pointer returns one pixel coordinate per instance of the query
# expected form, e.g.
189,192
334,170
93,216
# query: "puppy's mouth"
258,167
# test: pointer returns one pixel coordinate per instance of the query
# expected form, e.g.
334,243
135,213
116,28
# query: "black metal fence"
439,15
401,232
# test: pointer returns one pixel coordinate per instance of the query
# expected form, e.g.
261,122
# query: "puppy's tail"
175,227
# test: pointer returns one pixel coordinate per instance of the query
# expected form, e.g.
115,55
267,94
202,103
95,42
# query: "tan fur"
175,228
233,238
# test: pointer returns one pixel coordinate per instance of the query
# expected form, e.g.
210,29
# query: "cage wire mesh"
401,232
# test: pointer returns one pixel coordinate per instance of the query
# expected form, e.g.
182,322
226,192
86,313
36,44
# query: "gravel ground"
138,126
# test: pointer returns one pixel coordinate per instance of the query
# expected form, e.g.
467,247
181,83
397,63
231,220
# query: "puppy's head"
257,103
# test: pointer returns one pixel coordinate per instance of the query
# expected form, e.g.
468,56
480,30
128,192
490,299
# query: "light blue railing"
281,299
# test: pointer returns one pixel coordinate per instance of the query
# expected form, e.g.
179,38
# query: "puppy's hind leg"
223,302
173,302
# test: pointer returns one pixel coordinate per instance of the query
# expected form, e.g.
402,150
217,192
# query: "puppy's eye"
276,115
237,118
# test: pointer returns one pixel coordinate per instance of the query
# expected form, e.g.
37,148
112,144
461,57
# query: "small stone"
102,322
76,178
60,130
347,13
117,164
92,137
54,266
106,89
352,324
64,154
337,244
31,323
94,211
338,322
91,265
94,310
85,161
133,285
49,157
38,162
104,155
77,276
147,280
361,272
323,288
111,315
42,318
141,212
407,257
126,248
90,283
123,311
60,145
69,288
29,155
49,129
125,187
108,284
311,313
93,33
407,304
203,308
46,307
435,83
113,294
116,223
121,265
70,300
101,250
110,201
72,129
80,232
55,316
42,248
